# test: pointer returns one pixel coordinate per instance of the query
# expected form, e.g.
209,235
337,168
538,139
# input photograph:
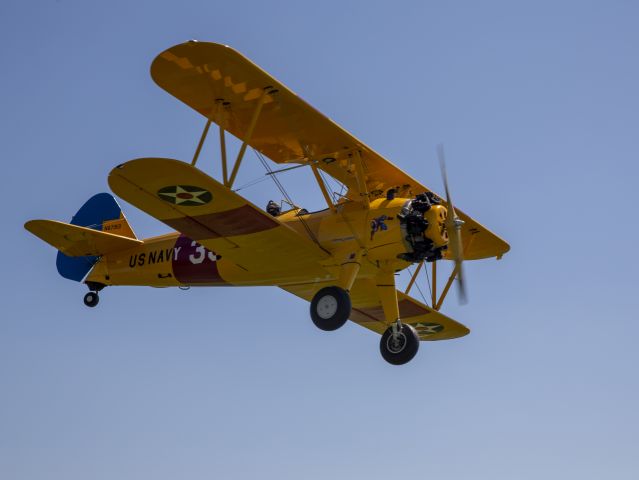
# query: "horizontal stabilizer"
76,241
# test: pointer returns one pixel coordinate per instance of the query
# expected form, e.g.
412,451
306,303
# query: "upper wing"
76,241
204,210
226,87
367,311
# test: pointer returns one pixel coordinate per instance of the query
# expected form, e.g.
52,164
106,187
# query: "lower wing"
367,311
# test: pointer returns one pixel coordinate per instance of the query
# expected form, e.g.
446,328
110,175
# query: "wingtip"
31,225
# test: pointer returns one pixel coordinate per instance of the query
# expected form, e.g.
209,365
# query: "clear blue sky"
537,104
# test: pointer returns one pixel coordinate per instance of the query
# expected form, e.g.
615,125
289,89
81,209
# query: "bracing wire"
428,279
330,182
285,194
276,180
327,183
417,285
251,183
420,293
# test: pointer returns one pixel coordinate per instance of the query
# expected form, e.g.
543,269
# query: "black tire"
401,350
91,299
330,308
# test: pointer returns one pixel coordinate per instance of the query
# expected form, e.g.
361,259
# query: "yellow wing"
206,211
367,311
226,87
76,241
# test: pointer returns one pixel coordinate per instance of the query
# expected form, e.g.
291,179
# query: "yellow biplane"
342,259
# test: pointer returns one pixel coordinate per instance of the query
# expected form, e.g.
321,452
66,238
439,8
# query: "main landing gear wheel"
91,299
330,308
399,348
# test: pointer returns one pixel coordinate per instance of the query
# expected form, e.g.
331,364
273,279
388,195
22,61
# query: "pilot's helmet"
273,208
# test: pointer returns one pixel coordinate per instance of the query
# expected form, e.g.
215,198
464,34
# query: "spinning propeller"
453,227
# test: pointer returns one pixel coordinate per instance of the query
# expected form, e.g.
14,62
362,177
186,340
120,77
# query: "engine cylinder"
423,225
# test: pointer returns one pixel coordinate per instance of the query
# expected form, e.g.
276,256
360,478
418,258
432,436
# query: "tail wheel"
330,308
400,347
91,299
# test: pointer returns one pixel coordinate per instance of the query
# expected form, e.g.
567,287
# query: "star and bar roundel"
425,329
185,195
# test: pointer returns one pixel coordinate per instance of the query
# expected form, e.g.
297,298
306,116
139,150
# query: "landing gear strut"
399,344
330,308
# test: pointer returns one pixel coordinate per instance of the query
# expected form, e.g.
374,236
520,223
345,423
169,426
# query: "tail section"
75,241
102,212
82,246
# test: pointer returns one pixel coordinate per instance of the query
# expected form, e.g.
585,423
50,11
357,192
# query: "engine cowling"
423,226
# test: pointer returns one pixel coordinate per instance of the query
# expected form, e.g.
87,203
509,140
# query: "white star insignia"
182,196
428,329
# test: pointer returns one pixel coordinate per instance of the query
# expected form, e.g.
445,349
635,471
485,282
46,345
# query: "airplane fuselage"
176,260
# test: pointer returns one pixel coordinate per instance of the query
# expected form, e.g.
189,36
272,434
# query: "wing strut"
361,179
437,302
322,187
225,173
433,289
199,145
221,121
247,138
238,161
452,276
414,277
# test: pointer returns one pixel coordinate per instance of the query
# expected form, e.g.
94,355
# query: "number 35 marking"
201,254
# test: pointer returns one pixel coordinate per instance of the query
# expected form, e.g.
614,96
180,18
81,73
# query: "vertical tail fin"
101,212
